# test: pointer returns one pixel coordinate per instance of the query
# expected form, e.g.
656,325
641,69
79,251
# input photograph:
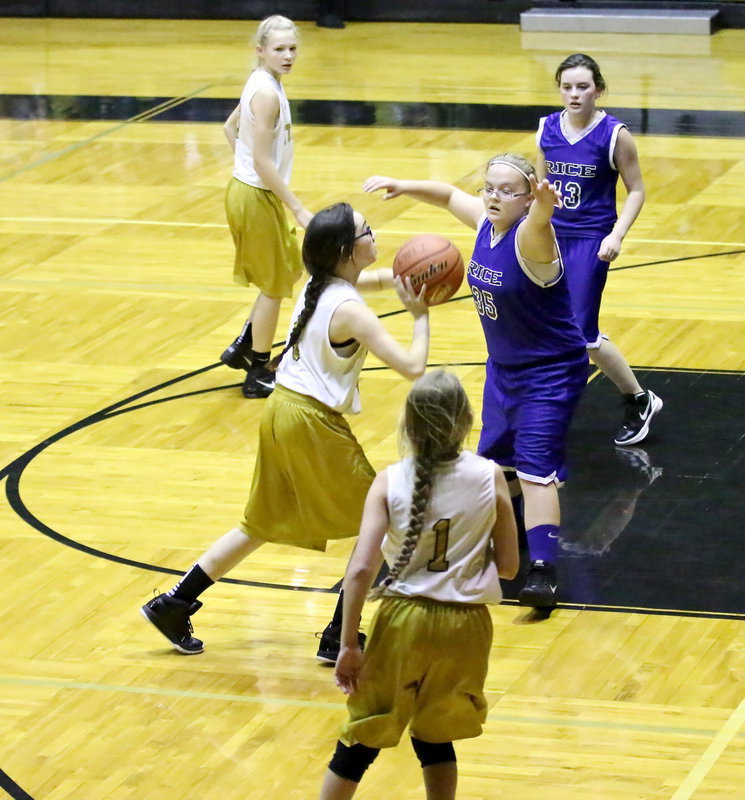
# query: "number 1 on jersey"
439,563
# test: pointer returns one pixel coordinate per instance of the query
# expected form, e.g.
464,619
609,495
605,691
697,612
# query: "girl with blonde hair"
267,254
443,521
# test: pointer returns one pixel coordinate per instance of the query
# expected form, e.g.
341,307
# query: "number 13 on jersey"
571,193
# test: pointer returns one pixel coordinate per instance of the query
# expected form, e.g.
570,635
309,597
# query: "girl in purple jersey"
583,150
537,364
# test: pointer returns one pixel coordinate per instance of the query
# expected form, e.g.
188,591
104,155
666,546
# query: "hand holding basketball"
432,260
413,301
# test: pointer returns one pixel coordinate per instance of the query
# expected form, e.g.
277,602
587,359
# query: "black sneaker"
328,649
171,617
238,355
638,414
540,586
259,382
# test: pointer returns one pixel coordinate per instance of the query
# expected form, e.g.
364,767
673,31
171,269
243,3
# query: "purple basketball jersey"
523,320
585,171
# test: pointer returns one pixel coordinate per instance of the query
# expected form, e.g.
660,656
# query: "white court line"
112,221
709,758
494,713
393,231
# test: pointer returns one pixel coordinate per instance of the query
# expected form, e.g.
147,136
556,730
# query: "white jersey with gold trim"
320,370
454,559
282,148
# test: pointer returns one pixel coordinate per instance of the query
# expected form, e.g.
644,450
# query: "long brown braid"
329,242
437,419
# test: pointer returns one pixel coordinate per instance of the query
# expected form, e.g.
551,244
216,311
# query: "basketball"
434,260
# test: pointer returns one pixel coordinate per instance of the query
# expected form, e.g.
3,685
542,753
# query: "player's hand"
376,182
610,247
303,217
414,302
545,194
348,668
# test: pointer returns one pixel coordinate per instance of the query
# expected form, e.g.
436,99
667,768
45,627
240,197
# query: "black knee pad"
351,762
429,753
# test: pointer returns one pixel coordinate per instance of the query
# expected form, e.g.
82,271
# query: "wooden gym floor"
127,449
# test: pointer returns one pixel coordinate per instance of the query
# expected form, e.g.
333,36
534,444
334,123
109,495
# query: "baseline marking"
570,722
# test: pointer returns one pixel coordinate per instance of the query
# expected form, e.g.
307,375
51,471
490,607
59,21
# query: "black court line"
649,552
8,785
677,259
352,113
595,467
14,470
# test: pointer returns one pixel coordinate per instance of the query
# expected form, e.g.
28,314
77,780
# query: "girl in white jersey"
443,520
311,475
267,254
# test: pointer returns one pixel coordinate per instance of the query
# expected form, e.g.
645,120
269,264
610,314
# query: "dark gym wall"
732,12
359,10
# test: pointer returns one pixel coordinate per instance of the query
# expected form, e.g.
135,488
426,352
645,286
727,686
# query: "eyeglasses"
367,232
505,194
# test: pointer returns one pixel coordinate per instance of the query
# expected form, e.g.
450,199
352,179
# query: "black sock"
336,619
260,359
192,585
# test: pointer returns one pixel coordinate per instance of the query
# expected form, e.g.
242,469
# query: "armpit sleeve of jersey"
528,267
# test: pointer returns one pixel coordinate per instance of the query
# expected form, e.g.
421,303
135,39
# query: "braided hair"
329,242
437,419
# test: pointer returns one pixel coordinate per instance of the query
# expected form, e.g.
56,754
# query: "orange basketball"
434,260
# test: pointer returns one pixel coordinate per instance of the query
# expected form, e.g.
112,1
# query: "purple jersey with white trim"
523,320
585,170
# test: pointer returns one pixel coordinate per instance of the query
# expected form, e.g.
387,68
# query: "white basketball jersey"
282,150
454,559
320,371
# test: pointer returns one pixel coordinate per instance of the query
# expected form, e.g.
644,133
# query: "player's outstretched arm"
463,206
535,236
